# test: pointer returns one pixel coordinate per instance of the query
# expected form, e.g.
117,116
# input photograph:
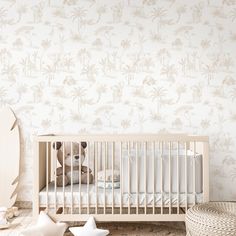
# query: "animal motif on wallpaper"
77,160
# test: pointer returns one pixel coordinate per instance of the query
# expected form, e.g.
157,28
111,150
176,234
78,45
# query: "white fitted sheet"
50,198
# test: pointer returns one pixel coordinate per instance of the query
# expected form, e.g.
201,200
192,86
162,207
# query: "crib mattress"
127,198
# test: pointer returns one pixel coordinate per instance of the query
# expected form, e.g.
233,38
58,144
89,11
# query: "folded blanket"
108,174
108,184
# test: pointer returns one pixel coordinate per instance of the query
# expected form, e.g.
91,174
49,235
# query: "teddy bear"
77,160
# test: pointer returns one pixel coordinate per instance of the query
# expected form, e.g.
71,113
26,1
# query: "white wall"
122,66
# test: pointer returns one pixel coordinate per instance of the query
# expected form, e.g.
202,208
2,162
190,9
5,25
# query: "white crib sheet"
50,198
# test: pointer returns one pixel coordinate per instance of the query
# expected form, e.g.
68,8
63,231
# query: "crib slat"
194,172
63,177
121,178
145,175
105,164
128,149
137,178
47,169
178,177
96,176
55,176
88,156
186,178
154,179
72,181
161,177
113,149
80,178
170,178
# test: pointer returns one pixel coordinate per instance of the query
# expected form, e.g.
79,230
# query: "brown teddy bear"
75,162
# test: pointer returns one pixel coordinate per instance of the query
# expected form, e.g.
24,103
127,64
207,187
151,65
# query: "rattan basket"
214,218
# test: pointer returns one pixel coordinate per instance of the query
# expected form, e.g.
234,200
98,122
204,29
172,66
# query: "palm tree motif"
78,95
228,63
157,15
27,66
129,72
228,143
154,116
117,92
209,72
92,21
68,63
107,66
78,14
233,14
163,56
197,93
38,12
117,13
90,71
101,89
10,71
49,71
158,94
205,43
169,71
37,92
84,56
125,124
148,63
197,13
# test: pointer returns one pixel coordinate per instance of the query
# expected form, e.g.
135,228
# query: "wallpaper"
122,66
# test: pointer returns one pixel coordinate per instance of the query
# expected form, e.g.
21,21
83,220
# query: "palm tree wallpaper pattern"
70,66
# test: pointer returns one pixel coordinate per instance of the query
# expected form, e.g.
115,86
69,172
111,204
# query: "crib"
138,177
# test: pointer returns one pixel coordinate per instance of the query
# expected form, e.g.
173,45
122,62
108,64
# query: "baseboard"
24,204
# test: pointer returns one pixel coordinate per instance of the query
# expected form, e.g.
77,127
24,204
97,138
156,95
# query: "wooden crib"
158,177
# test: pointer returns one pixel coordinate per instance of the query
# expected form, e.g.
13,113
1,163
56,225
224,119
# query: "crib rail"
133,177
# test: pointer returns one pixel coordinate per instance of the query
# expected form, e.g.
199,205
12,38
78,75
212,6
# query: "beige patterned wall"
122,66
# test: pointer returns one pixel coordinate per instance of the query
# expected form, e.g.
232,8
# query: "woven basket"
214,218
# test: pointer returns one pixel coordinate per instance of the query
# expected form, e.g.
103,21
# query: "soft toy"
76,161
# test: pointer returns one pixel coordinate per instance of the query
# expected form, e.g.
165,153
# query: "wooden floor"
121,229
